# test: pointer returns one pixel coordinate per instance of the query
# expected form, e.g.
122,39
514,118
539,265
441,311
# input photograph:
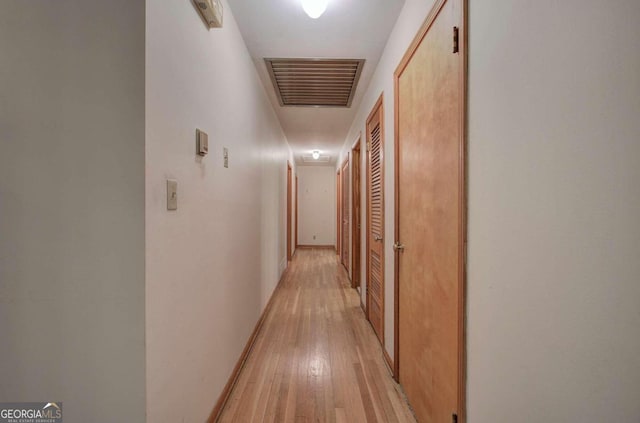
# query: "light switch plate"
172,194
202,143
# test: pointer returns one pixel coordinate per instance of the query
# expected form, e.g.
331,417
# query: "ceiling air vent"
315,82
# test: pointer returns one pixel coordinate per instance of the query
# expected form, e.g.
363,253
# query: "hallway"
184,183
316,358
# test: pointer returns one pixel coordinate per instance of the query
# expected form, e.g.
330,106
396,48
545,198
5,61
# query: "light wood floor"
316,358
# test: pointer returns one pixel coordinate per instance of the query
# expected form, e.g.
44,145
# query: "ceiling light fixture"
315,155
314,8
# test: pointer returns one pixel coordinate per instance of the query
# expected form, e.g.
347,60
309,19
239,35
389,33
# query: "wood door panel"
355,219
289,205
429,200
345,214
338,214
297,193
375,219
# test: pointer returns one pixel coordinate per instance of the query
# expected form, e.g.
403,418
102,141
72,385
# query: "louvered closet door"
375,221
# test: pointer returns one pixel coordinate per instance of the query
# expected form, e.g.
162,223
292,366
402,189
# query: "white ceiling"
354,29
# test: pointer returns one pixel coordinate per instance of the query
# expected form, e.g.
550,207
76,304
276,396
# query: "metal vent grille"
315,82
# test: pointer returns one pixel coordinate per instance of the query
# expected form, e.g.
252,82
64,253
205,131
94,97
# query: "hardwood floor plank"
316,358
369,407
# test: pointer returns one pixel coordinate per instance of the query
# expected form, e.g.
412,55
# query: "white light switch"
172,194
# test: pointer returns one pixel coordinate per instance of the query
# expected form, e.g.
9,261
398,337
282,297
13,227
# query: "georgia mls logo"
31,412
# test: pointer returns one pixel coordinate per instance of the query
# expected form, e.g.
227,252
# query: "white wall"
554,238
317,204
72,206
553,275
212,264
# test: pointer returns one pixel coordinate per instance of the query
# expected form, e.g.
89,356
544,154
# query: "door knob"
398,247
377,238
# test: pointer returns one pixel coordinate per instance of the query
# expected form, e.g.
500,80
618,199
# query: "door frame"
297,192
338,214
355,217
289,195
344,187
463,190
379,104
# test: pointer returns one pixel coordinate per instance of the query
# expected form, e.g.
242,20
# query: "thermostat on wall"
202,143
211,12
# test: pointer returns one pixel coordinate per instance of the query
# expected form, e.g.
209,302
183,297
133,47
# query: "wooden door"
375,220
338,214
289,188
295,244
430,101
345,214
355,216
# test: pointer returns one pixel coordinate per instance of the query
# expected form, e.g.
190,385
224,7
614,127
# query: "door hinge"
368,145
456,38
454,418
